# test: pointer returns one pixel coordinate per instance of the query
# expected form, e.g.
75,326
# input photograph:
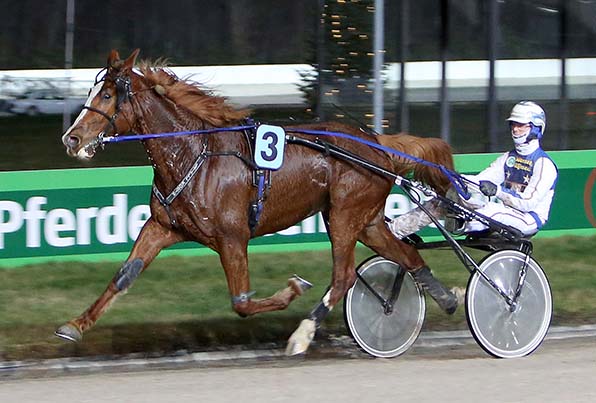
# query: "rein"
135,137
455,178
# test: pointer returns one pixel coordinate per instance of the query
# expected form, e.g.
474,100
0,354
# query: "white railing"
279,84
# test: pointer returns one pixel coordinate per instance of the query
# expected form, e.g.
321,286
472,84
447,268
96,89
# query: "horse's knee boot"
446,300
128,273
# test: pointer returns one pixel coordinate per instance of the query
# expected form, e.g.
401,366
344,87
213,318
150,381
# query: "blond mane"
188,94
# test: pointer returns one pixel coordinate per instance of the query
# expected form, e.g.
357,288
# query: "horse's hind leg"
379,238
343,245
152,239
234,260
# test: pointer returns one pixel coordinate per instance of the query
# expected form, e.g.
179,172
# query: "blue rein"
134,137
456,179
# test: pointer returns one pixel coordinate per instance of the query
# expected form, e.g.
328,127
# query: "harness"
166,201
123,93
261,179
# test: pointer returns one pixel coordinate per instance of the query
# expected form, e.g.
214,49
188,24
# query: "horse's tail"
430,149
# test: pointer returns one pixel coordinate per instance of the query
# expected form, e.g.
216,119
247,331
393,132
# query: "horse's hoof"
69,332
299,284
294,349
300,340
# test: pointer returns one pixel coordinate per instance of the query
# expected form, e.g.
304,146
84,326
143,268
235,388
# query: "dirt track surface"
559,371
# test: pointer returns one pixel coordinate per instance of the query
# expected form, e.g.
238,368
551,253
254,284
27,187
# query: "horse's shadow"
174,338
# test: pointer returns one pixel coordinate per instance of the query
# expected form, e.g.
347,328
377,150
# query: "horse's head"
107,110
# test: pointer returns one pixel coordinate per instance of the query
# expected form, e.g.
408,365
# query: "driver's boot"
446,300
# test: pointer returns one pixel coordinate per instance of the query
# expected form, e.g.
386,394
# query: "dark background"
212,32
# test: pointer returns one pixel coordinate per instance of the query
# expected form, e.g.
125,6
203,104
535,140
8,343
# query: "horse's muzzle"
70,141
74,149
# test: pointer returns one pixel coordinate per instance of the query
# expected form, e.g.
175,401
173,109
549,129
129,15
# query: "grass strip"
182,302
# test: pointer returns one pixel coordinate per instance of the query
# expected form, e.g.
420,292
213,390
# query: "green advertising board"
88,214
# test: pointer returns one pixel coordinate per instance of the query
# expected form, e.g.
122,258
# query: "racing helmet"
529,112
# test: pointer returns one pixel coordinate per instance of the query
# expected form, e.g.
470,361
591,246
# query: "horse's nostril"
72,141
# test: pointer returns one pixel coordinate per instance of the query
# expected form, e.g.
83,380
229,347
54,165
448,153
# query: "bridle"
123,94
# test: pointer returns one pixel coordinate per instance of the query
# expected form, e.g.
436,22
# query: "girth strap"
261,179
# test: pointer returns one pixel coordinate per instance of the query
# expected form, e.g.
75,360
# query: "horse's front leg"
234,259
152,239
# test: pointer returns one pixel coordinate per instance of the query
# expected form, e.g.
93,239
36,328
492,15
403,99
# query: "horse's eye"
106,96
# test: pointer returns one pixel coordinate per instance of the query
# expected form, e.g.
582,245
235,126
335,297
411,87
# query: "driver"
519,185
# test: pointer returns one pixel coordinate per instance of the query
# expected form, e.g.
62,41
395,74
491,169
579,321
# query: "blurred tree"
346,61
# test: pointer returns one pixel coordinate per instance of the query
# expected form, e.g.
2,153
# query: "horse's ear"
130,61
113,58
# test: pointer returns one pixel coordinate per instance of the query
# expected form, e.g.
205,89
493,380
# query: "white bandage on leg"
415,219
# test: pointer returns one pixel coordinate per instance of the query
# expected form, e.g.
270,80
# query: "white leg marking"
326,299
460,293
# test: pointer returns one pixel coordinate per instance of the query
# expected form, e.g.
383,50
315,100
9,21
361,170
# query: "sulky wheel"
499,330
380,329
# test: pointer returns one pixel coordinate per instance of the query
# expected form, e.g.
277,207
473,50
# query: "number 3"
269,146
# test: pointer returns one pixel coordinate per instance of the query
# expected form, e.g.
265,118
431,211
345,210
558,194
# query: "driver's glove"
488,188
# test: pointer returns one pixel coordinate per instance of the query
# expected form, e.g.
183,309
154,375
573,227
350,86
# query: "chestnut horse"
212,206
